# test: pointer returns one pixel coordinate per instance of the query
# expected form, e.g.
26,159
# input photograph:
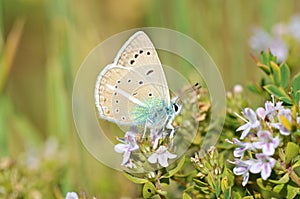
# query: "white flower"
266,142
242,147
161,155
237,89
253,123
263,165
71,195
261,41
270,111
279,48
242,168
129,145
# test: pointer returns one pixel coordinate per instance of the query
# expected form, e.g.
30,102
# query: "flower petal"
126,157
153,158
163,160
121,148
240,170
256,167
268,149
245,178
266,171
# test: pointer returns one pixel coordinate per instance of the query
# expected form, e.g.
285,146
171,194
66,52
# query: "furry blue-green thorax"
155,113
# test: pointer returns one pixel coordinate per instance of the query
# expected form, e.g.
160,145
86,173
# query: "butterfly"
133,90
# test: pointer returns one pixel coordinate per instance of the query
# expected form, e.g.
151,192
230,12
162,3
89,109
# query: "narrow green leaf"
186,196
149,190
282,180
278,92
276,73
200,183
4,150
176,169
264,67
295,85
260,183
286,100
297,164
292,151
136,180
253,88
285,75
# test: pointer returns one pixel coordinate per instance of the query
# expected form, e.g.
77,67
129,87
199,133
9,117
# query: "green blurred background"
43,43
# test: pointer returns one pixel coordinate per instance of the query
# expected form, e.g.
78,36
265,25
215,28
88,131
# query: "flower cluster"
154,148
261,40
261,136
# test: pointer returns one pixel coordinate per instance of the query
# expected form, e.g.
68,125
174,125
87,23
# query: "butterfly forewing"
139,52
135,77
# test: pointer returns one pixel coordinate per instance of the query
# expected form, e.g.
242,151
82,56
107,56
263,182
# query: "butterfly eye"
175,108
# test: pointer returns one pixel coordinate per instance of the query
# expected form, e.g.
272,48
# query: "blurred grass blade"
4,151
9,51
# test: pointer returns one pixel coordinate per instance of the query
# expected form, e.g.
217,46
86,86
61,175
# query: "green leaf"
200,183
292,151
285,75
176,169
278,188
295,85
292,191
186,196
297,164
282,180
297,97
253,88
135,179
149,190
276,73
260,183
286,100
278,92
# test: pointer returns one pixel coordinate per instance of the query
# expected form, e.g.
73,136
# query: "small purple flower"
242,147
266,142
279,48
129,145
156,136
261,40
161,155
270,110
263,165
242,168
253,123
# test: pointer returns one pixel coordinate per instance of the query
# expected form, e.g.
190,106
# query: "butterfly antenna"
195,87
